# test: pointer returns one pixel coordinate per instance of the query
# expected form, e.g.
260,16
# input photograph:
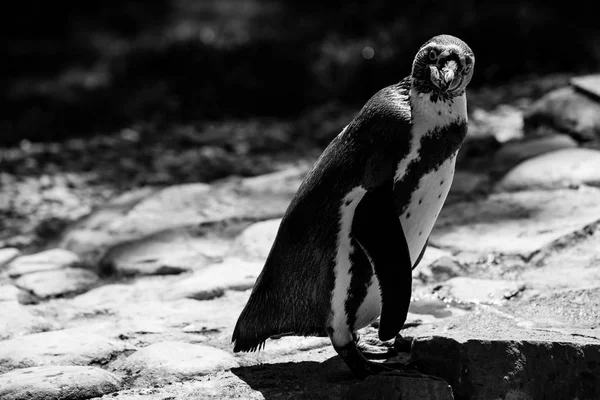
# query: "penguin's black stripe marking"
439,146
361,273
377,228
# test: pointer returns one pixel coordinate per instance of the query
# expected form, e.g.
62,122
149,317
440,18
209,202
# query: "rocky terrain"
135,295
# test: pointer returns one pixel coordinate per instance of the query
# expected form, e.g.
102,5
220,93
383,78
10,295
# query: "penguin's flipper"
378,231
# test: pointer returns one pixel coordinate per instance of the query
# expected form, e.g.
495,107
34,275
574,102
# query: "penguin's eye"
433,54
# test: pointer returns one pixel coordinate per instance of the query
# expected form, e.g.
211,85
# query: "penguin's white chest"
425,204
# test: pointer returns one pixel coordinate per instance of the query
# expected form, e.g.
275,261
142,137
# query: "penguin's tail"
257,322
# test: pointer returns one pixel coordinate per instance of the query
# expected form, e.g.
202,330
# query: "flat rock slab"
514,152
165,362
575,311
589,84
9,293
525,319
64,347
565,110
391,387
557,169
467,183
213,281
55,283
515,223
57,382
503,123
568,267
17,320
8,254
255,242
257,198
163,253
516,369
436,265
543,346
44,261
291,381
472,290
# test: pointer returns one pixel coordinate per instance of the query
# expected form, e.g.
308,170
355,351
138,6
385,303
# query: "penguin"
359,223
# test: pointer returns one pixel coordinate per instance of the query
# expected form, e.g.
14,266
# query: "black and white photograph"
279,200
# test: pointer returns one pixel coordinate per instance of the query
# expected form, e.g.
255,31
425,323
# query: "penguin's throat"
428,115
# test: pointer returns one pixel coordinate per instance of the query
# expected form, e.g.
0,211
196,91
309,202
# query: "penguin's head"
443,66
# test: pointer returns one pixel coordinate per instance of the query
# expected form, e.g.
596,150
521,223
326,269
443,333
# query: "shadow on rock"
330,379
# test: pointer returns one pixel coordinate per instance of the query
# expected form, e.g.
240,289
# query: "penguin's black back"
293,292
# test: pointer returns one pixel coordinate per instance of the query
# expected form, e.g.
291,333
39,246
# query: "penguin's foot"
376,349
361,367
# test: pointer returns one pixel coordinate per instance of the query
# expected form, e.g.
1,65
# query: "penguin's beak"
448,73
443,78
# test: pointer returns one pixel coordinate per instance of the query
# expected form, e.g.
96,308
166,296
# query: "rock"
427,309
283,381
541,346
164,253
516,369
54,283
431,255
192,204
515,223
575,312
516,151
566,316
588,84
467,183
165,362
504,123
16,320
440,270
472,290
565,110
255,242
231,274
44,261
9,293
187,205
64,347
557,169
60,382
278,347
436,265
7,255
386,387
571,265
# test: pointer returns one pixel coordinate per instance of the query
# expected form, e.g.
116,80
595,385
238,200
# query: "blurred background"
78,69
117,95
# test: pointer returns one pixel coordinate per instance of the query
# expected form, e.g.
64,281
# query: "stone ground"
138,298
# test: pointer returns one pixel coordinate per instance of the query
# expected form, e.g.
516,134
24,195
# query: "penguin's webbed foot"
375,349
361,367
